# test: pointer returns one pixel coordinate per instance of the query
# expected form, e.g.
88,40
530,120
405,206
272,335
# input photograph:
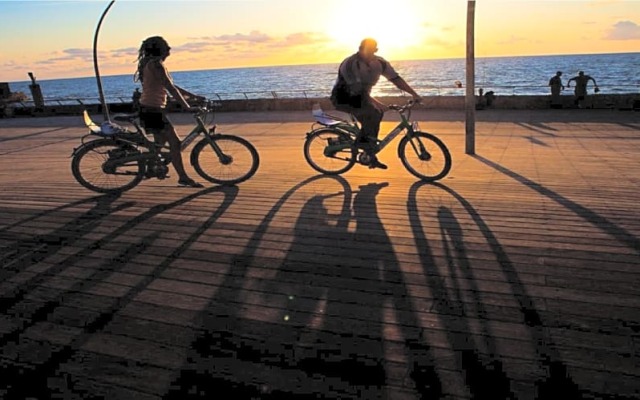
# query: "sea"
617,73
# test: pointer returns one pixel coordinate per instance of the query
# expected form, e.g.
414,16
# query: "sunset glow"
371,18
54,38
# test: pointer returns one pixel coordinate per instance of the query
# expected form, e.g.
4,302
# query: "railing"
384,90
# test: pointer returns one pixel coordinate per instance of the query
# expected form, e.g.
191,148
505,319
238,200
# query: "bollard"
36,93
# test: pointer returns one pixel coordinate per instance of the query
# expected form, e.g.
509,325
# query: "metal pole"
470,100
105,109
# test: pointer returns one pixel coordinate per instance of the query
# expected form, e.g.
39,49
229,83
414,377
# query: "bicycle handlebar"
401,109
209,105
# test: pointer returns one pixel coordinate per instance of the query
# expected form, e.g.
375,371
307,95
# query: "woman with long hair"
156,82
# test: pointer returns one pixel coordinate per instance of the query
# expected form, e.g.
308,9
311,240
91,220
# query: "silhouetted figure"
135,99
357,75
555,83
485,100
581,87
156,82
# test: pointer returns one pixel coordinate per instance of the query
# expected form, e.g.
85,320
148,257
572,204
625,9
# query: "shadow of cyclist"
485,379
29,251
39,379
319,323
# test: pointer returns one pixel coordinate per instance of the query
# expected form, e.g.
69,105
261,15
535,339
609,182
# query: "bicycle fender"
406,137
207,138
77,149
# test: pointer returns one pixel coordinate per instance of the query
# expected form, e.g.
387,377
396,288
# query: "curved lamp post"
105,109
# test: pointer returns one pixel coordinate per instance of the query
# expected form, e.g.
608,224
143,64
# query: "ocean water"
615,73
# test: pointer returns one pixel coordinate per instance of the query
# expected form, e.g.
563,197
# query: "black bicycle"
332,148
119,159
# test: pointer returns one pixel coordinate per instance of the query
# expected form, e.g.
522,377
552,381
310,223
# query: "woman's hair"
154,47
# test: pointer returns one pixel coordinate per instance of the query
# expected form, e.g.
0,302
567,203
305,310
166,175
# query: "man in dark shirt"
581,87
357,75
556,86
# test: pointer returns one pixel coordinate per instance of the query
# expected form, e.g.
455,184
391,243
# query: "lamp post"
105,108
469,101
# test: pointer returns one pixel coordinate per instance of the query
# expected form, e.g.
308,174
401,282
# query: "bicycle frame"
403,126
154,149
197,130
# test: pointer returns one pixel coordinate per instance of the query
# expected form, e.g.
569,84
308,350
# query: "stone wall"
599,101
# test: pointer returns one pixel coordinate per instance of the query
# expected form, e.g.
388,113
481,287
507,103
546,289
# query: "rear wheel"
238,162
330,152
425,156
96,167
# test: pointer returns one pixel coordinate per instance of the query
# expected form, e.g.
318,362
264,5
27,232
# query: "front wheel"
329,151
233,160
425,156
97,166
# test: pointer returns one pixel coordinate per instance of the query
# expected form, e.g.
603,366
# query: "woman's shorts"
154,119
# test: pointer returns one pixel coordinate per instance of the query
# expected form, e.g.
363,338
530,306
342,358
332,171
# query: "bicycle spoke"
88,167
425,156
238,160
329,152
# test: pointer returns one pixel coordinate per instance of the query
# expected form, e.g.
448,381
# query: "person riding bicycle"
156,81
357,75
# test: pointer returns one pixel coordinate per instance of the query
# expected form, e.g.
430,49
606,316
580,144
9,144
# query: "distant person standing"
556,87
581,87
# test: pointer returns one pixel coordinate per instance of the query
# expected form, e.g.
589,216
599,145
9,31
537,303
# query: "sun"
394,25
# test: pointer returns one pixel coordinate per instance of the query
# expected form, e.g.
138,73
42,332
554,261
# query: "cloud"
251,41
126,51
193,47
73,54
624,30
247,47
204,43
252,37
301,39
77,52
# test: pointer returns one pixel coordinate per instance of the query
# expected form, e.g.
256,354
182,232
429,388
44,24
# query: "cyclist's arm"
380,106
403,85
186,93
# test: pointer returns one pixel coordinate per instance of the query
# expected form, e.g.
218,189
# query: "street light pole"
470,100
105,108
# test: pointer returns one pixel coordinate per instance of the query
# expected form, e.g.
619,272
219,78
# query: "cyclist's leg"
163,130
370,118
171,136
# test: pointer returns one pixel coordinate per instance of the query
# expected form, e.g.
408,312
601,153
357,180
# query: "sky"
54,39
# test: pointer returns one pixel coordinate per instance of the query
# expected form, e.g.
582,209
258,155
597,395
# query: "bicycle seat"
107,128
125,117
325,119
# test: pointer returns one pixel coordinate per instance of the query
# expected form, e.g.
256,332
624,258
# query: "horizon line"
337,62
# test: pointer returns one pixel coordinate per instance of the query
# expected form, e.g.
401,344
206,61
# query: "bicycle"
120,159
333,147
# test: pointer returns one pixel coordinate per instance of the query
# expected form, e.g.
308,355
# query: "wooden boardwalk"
516,277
